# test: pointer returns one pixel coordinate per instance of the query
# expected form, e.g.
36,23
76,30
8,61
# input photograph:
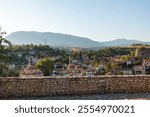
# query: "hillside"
52,39
123,42
64,40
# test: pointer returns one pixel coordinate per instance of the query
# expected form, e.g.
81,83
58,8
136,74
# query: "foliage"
108,67
3,54
46,65
11,73
137,44
125,57
3,49
132,53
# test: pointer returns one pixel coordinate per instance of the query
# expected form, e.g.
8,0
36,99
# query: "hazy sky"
100,20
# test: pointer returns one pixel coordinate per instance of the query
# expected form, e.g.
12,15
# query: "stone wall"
30,87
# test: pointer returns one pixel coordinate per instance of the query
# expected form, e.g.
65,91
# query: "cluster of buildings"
138,69
81,65
142,69
77,68
31,71
21,59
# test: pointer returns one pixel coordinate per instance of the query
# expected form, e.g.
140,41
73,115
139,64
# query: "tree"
3,44
108,67
3,53
125,57
46,65
132,53
12,73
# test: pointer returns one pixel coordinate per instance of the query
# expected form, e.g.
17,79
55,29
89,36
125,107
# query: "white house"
139,69
90,72
33,52
19,54
74,61
127,71
12,66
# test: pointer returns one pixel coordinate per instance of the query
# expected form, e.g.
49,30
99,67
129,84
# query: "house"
56,73
74,70
79,70
100,70
12,66
139,69
74,61
35,59
28,57
127,71
71,66
146,63
90,72
32,52
19,54
57,66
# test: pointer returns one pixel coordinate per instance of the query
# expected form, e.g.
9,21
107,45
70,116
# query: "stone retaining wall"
31,87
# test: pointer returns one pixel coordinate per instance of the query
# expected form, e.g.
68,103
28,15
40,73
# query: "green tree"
12,73
108,67
125,57
132,53
46,65
115,66
3,53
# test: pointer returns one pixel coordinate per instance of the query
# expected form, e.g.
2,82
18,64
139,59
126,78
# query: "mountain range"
63,40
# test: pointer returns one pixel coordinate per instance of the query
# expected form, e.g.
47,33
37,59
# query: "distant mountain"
122,42
64,40
52,39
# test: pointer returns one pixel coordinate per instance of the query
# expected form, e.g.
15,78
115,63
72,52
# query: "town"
42,60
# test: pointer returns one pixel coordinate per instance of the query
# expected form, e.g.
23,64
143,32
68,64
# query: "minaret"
45,41
30,62
80,57
69,60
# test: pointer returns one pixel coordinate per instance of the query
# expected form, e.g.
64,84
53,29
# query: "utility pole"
45,41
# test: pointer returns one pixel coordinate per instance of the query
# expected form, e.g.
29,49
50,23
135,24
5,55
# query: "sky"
99,20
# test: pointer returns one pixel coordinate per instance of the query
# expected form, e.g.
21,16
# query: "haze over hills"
64,40
52,39
123,42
